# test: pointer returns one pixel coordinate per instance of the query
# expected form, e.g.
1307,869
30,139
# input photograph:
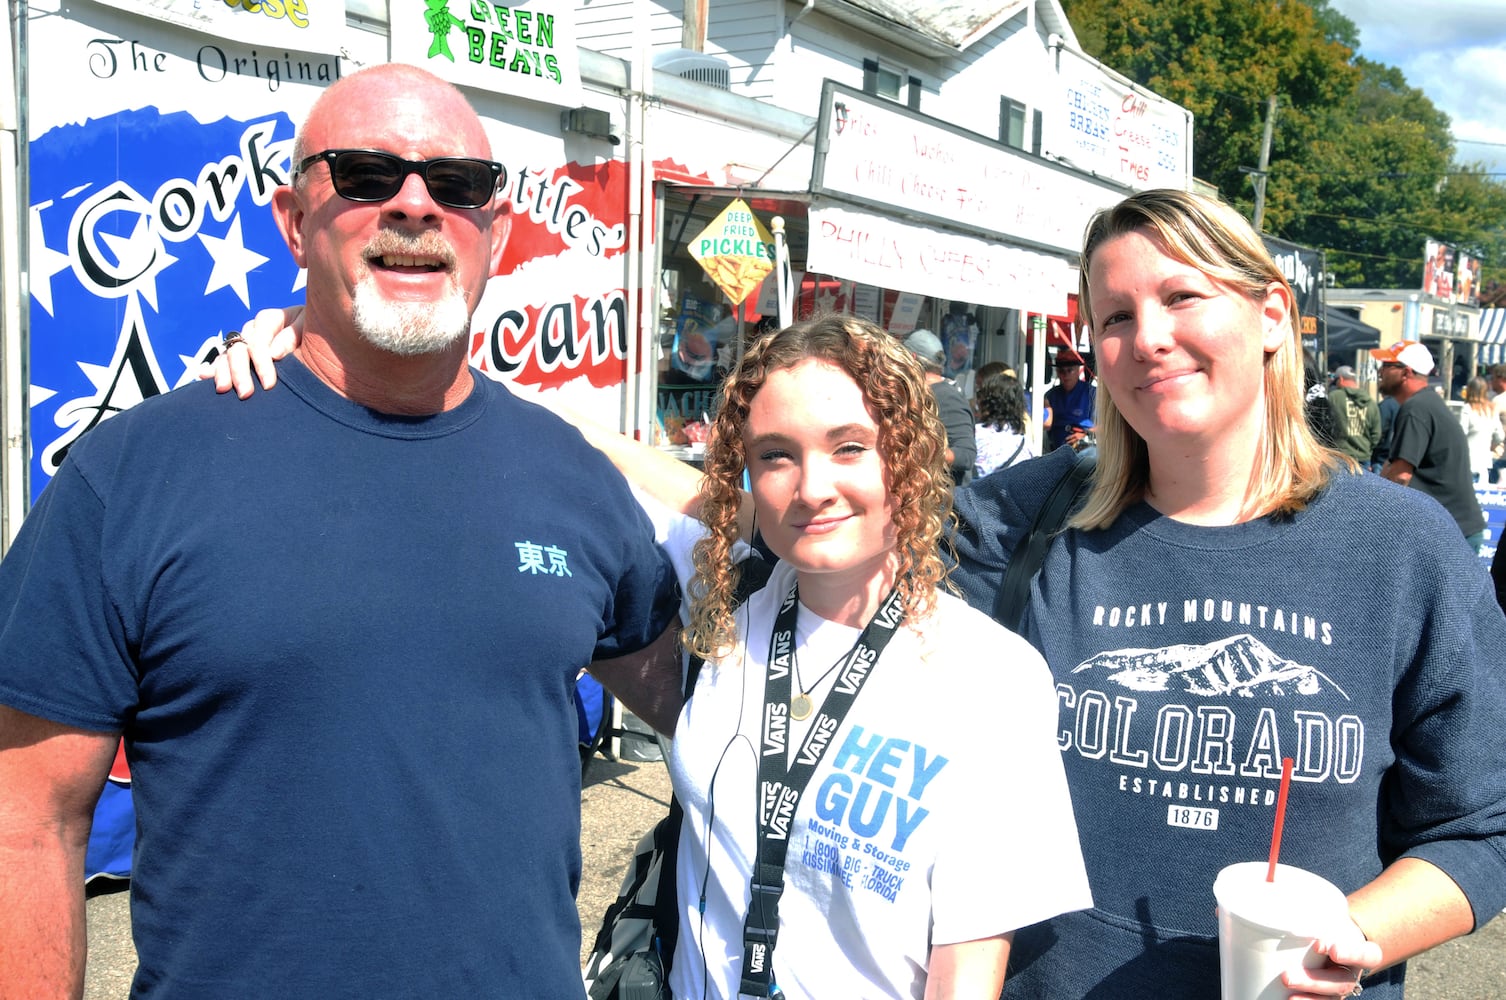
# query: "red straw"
1286,783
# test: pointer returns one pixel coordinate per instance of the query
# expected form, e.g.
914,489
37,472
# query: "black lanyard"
781,783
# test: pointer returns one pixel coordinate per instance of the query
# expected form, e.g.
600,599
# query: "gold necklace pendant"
800,708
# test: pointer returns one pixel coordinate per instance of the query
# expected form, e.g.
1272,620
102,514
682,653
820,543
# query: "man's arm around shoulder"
51,776
648,681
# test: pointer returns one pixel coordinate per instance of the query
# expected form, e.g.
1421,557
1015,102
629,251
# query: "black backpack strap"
1025,562
754,573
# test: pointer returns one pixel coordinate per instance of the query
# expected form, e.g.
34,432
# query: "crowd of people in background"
1410,434
1386,428
1358,419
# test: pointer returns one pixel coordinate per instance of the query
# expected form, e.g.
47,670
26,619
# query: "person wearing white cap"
1428,447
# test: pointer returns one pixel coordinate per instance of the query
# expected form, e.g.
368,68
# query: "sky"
1454,51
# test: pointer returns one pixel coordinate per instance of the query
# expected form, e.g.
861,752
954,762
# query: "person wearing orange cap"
1428,447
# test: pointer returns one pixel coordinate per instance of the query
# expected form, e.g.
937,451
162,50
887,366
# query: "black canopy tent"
1345,334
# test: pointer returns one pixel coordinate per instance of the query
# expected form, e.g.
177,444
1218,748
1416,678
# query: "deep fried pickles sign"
736,251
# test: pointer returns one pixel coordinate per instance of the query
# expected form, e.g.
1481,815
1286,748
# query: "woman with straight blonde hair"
1233,593
1482,428
1290,465
901,878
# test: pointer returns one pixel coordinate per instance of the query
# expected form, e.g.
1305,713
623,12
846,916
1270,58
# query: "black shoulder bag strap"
1030,553
1014,454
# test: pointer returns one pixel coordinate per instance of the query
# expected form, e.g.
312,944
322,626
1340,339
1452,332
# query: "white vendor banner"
300,25
1107,126
521,49
874,250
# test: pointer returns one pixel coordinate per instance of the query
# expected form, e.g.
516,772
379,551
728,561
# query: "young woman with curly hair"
918,501
904,875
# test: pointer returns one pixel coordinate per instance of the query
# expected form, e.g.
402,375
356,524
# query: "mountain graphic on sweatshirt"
1239,665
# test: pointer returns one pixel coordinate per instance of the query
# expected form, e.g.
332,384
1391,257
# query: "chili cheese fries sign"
736,251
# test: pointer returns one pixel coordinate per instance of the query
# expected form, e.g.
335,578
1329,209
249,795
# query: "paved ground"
621,800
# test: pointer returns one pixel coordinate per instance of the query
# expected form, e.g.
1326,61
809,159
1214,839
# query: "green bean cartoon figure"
440,21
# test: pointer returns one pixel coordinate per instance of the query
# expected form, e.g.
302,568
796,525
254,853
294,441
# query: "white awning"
1493,336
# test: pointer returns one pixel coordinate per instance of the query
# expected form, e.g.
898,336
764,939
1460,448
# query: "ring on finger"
231,339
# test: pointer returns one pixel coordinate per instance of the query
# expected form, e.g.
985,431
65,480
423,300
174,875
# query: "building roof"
953,24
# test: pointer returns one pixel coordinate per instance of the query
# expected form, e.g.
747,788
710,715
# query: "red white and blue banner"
153,158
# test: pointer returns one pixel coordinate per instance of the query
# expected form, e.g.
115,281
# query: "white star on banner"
43,261
232,262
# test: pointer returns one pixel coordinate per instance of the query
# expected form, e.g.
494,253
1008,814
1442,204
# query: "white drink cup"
1266,928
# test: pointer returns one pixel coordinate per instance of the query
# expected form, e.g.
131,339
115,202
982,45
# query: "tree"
1336,27
1360,162
1222,60
1369,186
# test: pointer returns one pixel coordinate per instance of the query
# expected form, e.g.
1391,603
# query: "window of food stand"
701,334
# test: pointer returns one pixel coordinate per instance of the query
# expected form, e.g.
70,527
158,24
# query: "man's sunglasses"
372,175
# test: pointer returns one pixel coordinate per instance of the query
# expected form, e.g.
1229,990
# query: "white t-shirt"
999,447
1481,431
939,814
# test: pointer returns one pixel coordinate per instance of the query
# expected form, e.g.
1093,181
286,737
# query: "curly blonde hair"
911,445
1292,466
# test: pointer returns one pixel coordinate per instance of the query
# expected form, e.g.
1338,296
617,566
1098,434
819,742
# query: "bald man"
351,731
